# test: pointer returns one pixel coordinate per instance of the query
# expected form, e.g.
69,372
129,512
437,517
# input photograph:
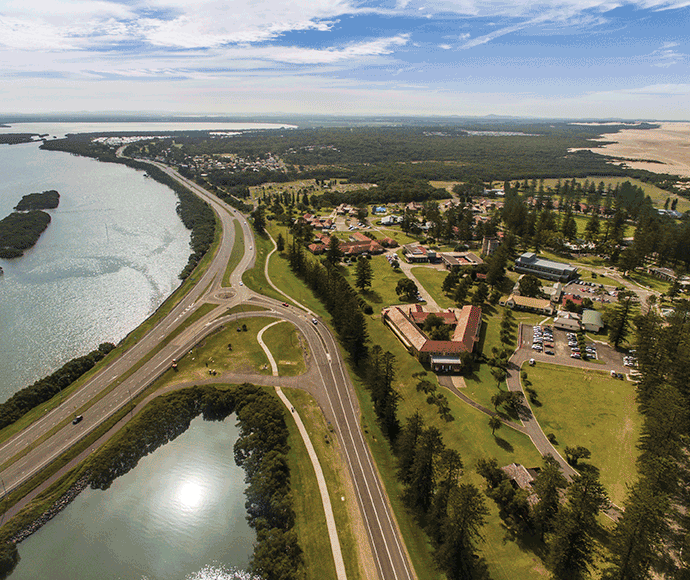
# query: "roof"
527,302
592,317
519,474
530,259
406,327
469,323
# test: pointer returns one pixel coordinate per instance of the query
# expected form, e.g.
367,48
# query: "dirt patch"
669,145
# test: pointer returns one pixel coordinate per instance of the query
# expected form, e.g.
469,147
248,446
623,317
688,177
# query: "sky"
591,59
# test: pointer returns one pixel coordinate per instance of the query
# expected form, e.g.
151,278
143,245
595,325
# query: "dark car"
77,419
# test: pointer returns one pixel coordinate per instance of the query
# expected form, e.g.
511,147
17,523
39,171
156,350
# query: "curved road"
29,451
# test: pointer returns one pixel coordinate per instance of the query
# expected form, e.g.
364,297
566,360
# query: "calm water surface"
110,256
179,515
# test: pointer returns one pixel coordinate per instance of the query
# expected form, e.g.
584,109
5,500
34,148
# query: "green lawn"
255,278
385,279
237,252
286,345
650,281
589,408
213,353
432,280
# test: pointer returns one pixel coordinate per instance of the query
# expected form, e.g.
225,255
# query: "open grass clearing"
589,408
213,354
288,348
346,513
384,281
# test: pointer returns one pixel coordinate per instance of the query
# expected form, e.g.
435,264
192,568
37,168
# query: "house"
592,320
441,355
390,220
554,293
663,273
569,321
538,305
529,263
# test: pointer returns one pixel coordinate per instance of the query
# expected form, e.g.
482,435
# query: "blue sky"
545,58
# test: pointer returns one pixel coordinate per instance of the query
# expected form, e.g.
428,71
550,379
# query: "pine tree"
363,274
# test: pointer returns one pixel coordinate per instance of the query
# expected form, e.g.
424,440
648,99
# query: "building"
538,305
441,355
489,245
460,259
554,293
569,321
592,320
522,478
663,273
414,254
529,263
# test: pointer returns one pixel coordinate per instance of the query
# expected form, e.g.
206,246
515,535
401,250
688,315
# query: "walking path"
321,480
407,270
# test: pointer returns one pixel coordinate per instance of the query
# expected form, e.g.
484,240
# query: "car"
285,304
621,376
251,247
314,321
77,419
550,352
575,355
241,283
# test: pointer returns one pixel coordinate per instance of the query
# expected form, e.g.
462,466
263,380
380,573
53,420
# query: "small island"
46,200
16,138
20,230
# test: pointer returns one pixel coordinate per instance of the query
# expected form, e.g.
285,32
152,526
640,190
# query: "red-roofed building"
441,355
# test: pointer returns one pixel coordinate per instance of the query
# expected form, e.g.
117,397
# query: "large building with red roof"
442,355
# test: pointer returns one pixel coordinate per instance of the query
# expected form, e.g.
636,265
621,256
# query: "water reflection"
179,515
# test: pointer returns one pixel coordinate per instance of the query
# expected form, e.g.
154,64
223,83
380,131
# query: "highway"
116,385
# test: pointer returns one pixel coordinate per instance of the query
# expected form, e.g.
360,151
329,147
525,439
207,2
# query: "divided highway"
44,440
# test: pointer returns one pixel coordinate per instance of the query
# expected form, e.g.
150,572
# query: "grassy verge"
288,348
314,539
255,278
237,253
589,408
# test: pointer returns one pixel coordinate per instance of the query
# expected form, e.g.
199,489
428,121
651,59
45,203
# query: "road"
113,387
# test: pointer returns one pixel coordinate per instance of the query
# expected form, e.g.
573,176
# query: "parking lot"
594,291
558,346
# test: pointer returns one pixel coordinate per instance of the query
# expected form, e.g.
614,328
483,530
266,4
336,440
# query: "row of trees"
46,388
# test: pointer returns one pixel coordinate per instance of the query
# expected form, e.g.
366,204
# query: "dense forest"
46,200
16,138
20,231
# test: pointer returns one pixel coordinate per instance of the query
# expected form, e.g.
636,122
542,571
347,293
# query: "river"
179,515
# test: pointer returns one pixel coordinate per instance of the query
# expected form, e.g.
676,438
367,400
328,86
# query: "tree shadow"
503,444
372,296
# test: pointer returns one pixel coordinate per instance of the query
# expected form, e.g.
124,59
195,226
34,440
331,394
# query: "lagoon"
178,515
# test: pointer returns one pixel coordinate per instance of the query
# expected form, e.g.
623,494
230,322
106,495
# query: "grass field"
650,281
589,408
432,280
213,353
286,346
255,278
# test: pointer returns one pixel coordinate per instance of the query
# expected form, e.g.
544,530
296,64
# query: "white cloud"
667,56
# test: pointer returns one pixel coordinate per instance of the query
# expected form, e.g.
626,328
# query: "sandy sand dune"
669,144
